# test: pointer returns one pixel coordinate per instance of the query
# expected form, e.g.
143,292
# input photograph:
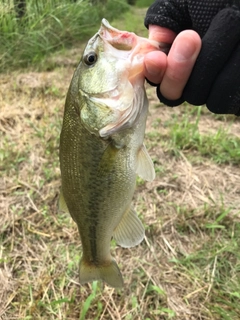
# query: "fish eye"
90,58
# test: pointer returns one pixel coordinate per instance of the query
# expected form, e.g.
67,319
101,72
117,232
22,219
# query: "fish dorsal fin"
130,231
62,206
145,168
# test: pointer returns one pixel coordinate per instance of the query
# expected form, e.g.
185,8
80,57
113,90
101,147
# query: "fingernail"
182,51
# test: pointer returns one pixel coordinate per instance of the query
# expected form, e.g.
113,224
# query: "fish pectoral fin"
130,231
62,206
108,160
108,272
145,167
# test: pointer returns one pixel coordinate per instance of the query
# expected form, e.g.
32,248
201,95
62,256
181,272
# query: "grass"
48,26
185,134
188,267
144,3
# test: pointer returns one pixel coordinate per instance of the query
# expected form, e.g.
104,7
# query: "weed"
220,146
87,303
48,26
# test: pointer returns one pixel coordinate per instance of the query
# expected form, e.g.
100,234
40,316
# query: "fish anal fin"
108,272
62,206
145,167
130,231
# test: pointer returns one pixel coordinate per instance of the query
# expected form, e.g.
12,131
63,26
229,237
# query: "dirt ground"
191,212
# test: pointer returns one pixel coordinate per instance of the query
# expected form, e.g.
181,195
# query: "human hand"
211,77
172,71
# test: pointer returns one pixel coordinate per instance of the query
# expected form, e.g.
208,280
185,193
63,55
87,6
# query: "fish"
102,149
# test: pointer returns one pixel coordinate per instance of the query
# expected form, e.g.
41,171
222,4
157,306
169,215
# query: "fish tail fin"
109,273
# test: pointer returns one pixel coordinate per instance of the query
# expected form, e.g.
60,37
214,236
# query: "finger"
156,61
181,59
161,34
155,64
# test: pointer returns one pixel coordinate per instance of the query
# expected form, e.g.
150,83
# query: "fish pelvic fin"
109,273
145,167
130,231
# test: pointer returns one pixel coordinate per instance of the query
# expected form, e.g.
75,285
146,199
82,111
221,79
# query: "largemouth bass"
102,150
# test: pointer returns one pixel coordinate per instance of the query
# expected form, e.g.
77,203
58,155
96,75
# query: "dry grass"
188,267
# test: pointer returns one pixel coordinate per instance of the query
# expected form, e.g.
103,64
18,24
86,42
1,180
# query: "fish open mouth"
121,40
126,41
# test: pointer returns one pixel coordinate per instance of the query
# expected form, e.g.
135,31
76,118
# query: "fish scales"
102,151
